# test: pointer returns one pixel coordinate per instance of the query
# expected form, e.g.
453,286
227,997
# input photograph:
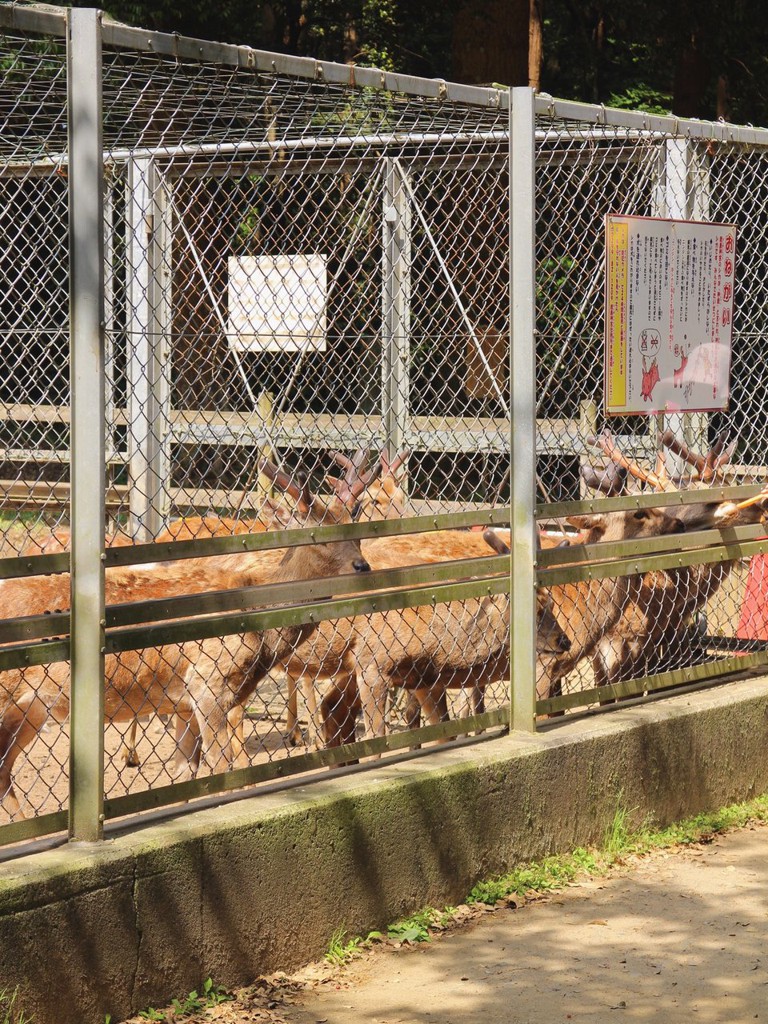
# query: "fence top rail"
51,20
597,114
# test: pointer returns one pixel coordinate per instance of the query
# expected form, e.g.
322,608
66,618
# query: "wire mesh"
293,267
299,265
586,170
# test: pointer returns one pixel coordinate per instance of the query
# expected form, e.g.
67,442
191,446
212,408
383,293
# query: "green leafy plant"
620,840
339,951
210,995
417,928
152,1014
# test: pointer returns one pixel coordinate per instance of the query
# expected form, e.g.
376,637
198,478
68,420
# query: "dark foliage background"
704,59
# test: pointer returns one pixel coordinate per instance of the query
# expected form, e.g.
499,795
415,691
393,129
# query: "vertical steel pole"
396,307
87,461
522,407
149,352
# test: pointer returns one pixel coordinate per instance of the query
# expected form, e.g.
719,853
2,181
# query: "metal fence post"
86,235
148,369
396,306
522,407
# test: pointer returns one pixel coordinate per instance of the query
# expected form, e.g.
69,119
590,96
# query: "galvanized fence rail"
218,256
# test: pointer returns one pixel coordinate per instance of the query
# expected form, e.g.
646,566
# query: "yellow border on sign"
617,278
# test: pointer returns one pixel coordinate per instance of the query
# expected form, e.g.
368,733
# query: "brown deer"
429,649
649,633
329,658
198,681
400,648
373,494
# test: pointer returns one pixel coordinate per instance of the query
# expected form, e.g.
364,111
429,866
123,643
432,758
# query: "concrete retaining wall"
260,884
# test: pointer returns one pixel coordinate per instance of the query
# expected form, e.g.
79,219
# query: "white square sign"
277,303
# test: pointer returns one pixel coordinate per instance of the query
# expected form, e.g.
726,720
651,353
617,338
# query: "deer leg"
473,703
129,753
433,702
222,676
236,725
292,731
549,683
314,727
373,685
21,725
412,710
339,709
216,749
188,744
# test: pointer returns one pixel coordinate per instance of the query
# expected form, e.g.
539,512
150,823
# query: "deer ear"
493,540
610,478
588,522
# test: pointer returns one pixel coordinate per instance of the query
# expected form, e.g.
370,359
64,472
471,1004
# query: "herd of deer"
355,662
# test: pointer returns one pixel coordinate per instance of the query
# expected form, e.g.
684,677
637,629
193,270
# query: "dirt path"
678,936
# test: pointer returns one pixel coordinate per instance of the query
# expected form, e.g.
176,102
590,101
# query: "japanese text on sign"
668,315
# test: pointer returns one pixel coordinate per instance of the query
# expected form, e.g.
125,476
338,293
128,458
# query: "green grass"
339,951
623,837
9,1011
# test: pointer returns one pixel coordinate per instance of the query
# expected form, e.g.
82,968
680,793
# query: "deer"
198,681
373,494
388,651
663,602
430,649
330,656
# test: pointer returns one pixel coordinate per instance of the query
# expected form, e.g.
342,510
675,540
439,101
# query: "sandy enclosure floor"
41,775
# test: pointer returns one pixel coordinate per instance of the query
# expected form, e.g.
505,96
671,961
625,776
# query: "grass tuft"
9,1010
339,951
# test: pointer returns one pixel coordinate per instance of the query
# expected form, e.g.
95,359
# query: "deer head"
382,495
707,470
550,638
325,558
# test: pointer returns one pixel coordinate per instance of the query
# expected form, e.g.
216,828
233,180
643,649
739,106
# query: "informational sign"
277,303
668,315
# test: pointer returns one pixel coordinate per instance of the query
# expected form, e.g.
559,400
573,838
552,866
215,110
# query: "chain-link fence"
305,295
303,264
591,163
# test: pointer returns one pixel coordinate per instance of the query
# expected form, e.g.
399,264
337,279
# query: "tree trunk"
691,80
491,42
535,43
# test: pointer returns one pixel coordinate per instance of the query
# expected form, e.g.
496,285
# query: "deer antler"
297,487
607,446
609,478
707,466
351,466
393,466
354,483
681,449
719,455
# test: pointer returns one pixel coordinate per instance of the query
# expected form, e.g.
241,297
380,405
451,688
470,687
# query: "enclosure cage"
216,256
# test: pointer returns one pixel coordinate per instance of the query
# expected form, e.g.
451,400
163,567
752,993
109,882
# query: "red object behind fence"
753,621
